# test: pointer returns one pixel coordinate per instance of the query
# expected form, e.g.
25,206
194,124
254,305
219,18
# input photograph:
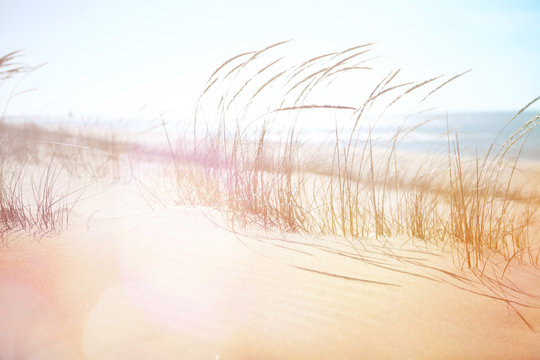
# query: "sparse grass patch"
31,198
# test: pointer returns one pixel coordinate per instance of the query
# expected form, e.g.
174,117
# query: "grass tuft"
250,157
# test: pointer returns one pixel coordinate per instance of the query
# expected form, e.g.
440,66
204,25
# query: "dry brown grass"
357,188
247,154
36,194
32,198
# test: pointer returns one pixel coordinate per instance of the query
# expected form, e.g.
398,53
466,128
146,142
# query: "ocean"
476,131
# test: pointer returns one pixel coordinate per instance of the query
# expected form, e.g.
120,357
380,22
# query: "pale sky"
111,58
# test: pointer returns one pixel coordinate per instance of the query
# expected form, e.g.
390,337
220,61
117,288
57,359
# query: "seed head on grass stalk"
362,188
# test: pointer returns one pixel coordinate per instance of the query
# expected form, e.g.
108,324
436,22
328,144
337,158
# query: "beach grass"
247,155
355,188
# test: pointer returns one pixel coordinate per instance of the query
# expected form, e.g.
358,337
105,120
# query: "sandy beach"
126,282
237,238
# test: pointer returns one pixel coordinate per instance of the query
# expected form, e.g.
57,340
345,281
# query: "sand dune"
240,238
131,283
